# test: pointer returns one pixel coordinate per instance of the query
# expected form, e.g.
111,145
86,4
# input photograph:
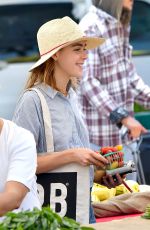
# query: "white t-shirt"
18,161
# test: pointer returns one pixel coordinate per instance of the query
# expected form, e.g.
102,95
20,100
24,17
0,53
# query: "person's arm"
82,156
120,116
140,93
22,163
12,196
140,90
135,127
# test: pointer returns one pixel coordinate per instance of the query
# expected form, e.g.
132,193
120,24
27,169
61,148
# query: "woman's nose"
84,54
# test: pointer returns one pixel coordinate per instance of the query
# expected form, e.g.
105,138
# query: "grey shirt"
68,127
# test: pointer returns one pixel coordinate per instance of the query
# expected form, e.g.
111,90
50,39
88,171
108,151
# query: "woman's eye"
80,49
77,49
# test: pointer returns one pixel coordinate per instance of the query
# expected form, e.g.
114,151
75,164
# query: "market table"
110,218
134,223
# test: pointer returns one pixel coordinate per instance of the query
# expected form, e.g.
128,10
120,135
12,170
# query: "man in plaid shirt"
110,84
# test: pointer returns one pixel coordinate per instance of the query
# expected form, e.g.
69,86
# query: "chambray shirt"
68,127
110,79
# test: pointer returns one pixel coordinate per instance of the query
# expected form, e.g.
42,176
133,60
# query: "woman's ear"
55,56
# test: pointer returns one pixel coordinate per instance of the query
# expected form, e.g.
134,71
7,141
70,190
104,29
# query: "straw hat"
58,33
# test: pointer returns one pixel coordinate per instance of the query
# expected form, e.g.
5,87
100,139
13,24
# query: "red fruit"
105,150
114,149
120,164
121,154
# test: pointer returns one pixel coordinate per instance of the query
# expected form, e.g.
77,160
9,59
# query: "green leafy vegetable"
146,215
44,219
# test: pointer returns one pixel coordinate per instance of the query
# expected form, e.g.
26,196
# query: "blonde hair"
45,74
115,9
42,74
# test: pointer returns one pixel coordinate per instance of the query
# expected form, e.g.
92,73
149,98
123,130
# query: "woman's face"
128,4
69,60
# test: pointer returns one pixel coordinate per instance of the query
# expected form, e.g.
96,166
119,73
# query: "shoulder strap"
46,119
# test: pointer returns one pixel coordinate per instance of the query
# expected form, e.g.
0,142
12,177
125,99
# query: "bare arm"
82,156
12,196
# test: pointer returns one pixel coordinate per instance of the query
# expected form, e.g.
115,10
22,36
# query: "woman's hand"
85,156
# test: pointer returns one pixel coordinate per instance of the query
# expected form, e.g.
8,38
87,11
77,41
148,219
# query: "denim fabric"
92,216
91,211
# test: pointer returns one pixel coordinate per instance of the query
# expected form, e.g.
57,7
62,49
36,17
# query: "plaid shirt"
110,79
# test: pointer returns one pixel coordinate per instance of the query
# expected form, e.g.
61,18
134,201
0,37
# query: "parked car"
19,22
140,38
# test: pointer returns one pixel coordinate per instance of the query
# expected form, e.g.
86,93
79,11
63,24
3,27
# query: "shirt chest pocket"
62,126
111,54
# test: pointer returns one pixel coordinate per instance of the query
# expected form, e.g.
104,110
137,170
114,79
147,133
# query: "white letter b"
58,199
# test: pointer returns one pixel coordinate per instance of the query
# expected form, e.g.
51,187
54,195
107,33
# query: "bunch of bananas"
101,193
121,189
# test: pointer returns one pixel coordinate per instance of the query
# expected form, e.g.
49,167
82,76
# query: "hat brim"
91,43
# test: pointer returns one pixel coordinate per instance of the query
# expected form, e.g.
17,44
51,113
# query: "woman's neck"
62,83
65,91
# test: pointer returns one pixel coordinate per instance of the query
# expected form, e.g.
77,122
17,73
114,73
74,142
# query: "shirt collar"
102,14
52,92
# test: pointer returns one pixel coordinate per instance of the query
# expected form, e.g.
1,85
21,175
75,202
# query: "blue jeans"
91,211
92,219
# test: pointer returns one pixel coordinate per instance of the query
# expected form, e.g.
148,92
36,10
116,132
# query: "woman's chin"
80,74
